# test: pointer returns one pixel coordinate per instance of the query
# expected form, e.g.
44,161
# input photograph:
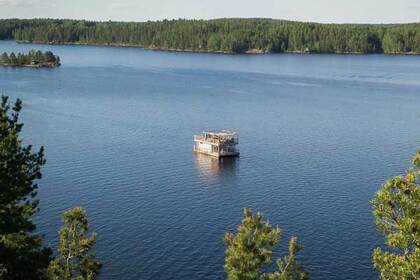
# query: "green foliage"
13,60
396,208
250,248
288,267
221,35
4,58
21,252
249,252
33,58
393,42
75,261
22,256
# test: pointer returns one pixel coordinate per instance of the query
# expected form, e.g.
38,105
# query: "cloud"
24,3
122,5
17,3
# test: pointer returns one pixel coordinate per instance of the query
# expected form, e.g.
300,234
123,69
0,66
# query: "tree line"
33,58
222,35
248,255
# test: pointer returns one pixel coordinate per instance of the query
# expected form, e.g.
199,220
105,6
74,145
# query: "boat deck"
217,144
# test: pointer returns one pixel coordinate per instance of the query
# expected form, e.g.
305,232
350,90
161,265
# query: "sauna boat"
219,144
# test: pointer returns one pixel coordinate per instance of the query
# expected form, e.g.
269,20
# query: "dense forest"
32,59
221,35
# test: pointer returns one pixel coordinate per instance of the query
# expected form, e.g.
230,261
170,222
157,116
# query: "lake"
319,134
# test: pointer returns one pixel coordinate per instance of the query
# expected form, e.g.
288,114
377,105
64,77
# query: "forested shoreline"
221,35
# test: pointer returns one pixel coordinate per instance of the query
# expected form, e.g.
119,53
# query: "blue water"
318,136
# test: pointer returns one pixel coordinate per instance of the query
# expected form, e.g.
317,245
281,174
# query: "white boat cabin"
219,144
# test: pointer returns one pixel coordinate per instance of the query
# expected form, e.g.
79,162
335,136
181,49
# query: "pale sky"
337,11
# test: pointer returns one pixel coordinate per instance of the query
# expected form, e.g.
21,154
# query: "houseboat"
218,144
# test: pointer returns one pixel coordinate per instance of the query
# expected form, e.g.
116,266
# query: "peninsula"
36,59
239,35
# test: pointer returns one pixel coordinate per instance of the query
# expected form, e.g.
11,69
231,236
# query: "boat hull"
216,154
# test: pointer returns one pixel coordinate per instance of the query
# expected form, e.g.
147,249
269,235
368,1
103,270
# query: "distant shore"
225,36
155,48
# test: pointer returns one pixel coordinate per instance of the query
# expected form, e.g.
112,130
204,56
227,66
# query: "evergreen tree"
288,267
249,252
49,57
38,56
21,254
393,42
22,59
75,260
4,58
13,59
396,208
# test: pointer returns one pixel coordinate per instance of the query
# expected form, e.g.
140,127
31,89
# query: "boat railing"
228,140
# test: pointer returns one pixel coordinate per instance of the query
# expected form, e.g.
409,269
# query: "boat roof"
221,133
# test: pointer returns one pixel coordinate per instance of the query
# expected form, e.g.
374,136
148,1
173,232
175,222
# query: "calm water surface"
319,134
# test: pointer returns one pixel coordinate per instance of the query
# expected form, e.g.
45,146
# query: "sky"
325,11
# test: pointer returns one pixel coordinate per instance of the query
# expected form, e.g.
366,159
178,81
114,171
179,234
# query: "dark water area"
318,136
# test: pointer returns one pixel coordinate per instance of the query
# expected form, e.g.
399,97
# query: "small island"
36,59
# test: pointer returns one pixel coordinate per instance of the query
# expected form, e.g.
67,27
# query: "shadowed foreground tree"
21,253
75,261
249,252
396,208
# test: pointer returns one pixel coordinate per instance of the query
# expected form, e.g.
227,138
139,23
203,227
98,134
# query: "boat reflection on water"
213,168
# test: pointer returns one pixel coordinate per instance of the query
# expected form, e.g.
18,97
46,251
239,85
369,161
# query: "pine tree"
249,252
4,58
13,59
21,253
396,208
49,57
75,260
